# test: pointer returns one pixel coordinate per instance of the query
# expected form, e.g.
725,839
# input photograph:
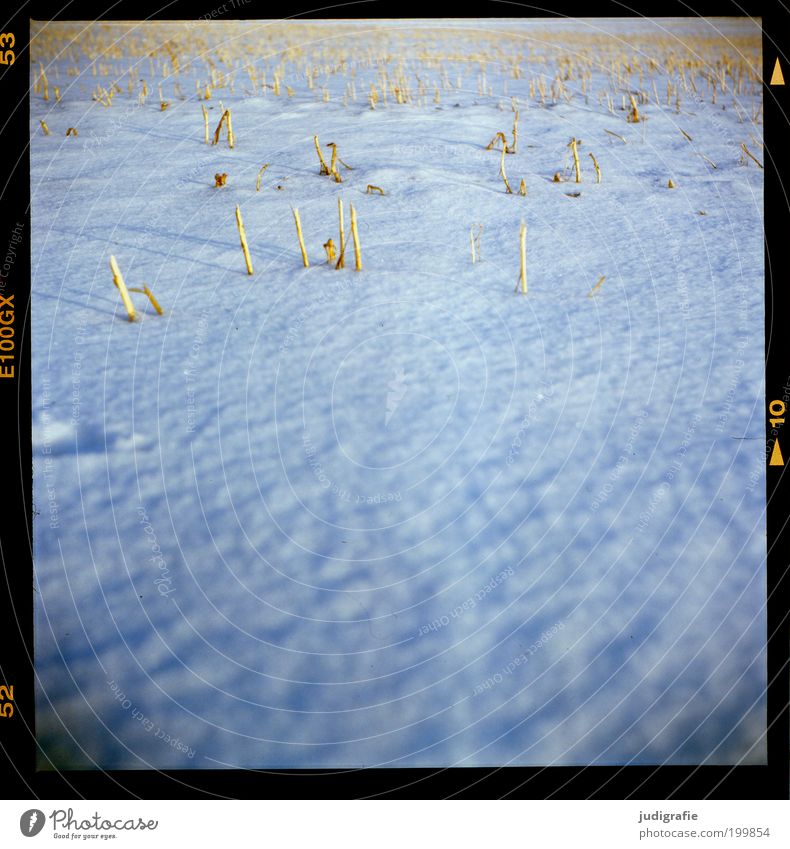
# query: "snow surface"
406,516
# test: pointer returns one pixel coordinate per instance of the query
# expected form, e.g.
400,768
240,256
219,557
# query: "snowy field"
401,516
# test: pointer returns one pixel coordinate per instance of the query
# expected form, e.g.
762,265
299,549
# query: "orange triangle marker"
777,77
776,456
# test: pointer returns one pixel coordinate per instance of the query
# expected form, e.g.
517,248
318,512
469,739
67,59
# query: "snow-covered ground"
402,516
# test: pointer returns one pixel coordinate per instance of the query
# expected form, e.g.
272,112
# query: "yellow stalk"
616,135
260,174
301,238
153,300
522,238
597,169
498,137
370,189
573,147
502,171
219,128
522,189
205,122
44,127
335,159
117,278
597,286
324,167
750,155
355,236
685,134
347,167
231,139
329,247
515,133
146,291
341,259
243,240
72,131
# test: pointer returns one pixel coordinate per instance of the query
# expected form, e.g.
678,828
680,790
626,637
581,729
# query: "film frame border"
17,743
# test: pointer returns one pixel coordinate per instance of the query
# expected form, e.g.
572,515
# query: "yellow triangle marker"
776,456
777,78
